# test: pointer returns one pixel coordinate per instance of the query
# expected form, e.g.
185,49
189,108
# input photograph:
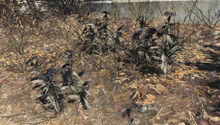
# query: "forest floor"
189,94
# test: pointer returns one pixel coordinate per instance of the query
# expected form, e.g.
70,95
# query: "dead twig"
20,114
192,115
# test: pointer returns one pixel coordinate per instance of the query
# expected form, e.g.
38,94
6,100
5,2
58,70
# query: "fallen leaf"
161,88
39,108
99,86
202,122
143,90
215,119
59,122
181,123
117,107
149,100
186,101
150,97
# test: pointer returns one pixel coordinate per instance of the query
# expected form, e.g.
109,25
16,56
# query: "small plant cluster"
151,46
99,39
53,94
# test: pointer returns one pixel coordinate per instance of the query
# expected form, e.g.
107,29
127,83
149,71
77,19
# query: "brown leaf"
99,86
149,100
110,109
150,97
214,118
161,88
143,90
59,122
181,123
186,101
117,107
202,122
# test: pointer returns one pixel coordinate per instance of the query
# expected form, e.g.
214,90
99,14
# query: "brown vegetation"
187,94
